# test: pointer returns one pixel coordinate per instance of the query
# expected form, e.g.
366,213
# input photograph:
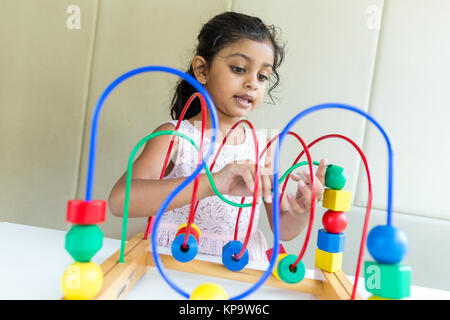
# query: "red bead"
193,231
334,221
270,251
86,212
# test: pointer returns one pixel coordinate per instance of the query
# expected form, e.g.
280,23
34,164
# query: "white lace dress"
215,218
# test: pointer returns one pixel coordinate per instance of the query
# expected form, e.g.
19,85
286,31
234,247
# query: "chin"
241,113
236,112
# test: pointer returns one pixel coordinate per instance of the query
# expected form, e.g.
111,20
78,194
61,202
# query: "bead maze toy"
385,277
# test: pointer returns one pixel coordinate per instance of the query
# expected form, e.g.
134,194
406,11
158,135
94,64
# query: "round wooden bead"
335,177
184,254
387,244
192,226
86,212
287,274
209,291
334,221
194,232
83,242
229,252
275,268
82,281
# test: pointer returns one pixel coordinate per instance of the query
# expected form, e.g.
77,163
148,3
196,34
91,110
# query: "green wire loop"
208,173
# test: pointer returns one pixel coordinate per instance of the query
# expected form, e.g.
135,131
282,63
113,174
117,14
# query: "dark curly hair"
220,31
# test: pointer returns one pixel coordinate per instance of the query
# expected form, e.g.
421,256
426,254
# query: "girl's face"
238,76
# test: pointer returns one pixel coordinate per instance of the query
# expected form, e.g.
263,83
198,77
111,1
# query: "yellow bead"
275,268
337,200
209,291
328,261
192,226
82,281
379,298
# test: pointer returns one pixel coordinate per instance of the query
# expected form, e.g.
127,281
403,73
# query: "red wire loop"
256,188
194,193
368,206
150,220
313,195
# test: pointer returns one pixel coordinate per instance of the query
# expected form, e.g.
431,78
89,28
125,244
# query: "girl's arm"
147,191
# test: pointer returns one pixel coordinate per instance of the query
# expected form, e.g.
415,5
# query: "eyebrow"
238,54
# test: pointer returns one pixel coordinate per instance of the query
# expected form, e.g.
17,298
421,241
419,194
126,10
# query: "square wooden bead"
337,200
328,261
330,242
392,281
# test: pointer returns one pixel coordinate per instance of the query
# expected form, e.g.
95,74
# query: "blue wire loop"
213,113
345,107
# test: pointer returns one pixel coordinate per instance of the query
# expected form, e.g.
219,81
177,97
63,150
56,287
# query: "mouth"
244,100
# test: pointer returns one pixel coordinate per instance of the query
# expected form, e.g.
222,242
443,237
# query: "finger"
304,194
322,170
318,186
266,170
252,170
295,176
284,205
294,205
307,177
267,188
248,179
319,189
270,175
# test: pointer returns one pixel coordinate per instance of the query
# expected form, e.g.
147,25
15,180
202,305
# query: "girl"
235,57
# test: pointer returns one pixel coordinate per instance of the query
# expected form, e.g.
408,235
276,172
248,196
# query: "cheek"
262,92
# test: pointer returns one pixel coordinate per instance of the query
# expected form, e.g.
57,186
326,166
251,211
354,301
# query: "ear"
200,67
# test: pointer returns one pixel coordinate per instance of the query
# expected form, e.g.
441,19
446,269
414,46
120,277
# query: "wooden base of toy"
119,278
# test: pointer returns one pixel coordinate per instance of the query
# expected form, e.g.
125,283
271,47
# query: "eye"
262,77
237,69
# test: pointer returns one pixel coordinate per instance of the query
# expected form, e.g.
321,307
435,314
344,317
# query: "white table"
33,261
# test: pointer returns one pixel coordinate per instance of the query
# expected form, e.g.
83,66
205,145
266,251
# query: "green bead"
335,177
286,274
84,241
391,281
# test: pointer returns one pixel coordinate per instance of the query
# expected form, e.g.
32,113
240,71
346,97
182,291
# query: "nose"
251,81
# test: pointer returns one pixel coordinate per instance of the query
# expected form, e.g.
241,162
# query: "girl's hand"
301,203
238,179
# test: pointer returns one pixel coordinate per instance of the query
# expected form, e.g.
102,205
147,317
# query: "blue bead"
330,242
387,244
231,249
181,254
